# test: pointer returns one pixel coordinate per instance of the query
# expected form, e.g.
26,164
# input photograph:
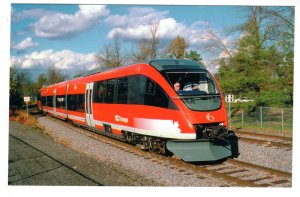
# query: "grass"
21,117
271,120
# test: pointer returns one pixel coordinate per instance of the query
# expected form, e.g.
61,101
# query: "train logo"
121,119
210,117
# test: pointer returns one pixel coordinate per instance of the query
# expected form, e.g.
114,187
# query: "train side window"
161,99
60,101
99,92
150,87
50,101
122,90
136,89
71,102
76,102
155,95
43,100
80,103
110,90
38,96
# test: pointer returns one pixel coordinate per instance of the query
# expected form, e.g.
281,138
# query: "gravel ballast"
267,156
165,176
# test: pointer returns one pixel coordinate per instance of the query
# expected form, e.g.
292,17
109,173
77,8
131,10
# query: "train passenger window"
150,87
136,89
38,96
76,102
60,101
155,95
110,89
50,101
99,92
43,100
80,103
122,90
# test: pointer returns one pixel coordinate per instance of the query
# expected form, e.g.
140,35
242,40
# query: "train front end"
198,96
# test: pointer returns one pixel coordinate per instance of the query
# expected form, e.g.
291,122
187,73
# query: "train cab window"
199,90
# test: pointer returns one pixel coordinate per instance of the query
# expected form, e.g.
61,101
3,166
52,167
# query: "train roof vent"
165,64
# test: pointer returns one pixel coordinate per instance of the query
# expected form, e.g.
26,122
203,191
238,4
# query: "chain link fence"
263,119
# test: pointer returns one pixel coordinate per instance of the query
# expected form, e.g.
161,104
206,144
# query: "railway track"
233,172
266,140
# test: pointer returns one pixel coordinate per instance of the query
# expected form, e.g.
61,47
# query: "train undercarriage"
212,143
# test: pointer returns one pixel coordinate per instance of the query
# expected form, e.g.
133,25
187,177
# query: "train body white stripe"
157,133
77,118
61,114
152,127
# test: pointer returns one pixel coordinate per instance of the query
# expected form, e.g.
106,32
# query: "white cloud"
25,44
60,25
31,13
65,60
93,10
137,24
136,17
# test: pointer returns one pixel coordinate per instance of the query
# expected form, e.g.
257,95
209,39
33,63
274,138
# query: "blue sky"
69,36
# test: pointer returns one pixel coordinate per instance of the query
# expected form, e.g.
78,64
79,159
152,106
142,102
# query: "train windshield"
198,90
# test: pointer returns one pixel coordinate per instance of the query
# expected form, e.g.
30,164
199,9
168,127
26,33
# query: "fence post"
282,120
229,116
242,117
261,124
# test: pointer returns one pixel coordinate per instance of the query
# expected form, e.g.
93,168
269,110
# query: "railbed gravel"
149,168
165,175
268,156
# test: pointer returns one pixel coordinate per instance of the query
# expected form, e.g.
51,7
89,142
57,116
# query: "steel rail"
262,168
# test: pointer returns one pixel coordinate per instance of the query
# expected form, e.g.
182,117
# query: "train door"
54,102
88,104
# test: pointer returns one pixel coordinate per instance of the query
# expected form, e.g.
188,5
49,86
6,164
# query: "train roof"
168,64
158,64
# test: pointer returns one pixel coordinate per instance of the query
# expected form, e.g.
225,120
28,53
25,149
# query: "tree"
55,75
41,81
154,40
148,47
15,95
260,68
177,48
143,51
217,45
111,54
26,83
194,55
117,59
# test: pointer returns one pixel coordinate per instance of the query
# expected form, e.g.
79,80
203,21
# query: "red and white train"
138,104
